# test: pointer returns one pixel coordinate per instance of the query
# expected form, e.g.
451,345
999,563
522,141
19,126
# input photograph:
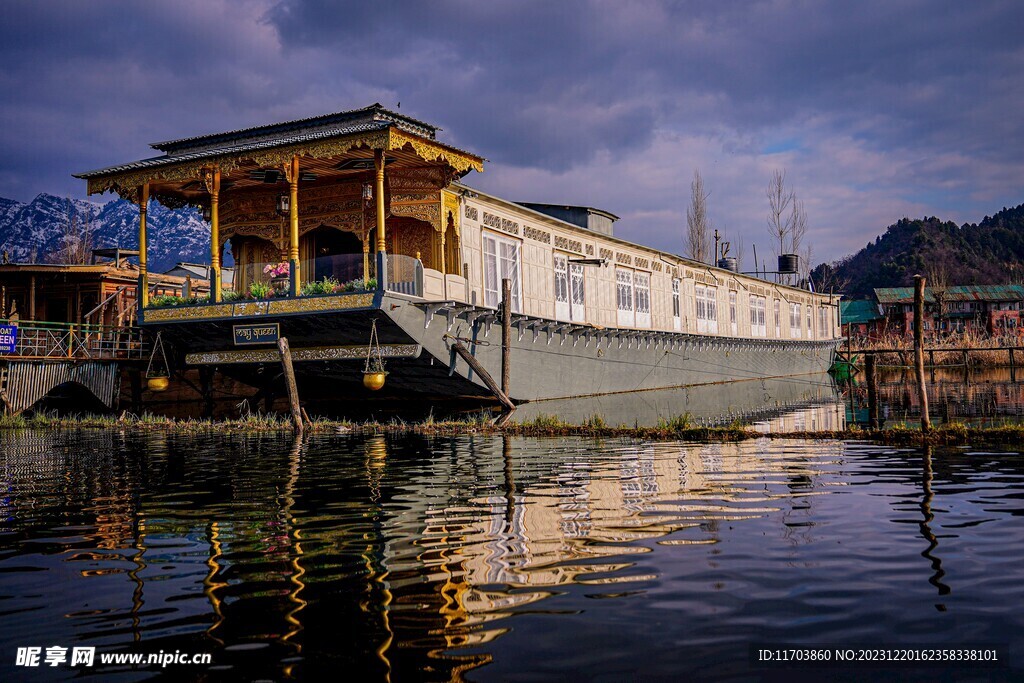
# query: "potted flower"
374,373
278,273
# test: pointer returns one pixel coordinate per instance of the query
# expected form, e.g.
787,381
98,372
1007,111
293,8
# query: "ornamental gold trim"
253,309
186,313
313,353
432,151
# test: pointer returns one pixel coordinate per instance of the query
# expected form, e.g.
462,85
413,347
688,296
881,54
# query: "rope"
158,344
373,346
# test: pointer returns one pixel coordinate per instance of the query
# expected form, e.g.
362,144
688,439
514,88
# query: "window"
758,328
810,322
642,287
732,313
561,288
707,309
778,319
823,326
501,260
794,321
677,319
624,297
577,296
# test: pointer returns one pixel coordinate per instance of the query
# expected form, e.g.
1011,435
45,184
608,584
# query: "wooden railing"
39,340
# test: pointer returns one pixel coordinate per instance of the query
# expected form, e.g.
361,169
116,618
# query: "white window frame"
707,309
677,318
795,321
758,323
733,320
642,297
778,319
563,311
810,321
624,297
577,292
502,267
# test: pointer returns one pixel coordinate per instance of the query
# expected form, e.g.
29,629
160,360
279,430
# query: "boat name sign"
256,334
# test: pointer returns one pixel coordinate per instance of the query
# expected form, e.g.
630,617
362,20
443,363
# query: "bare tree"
798,219
937,279
698,228
780,225
76,239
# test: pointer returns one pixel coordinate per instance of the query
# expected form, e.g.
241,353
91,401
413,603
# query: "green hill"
989,252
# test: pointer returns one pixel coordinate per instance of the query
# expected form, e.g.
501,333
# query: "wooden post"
289,380
486,377
931,358
32,304
922,388
378,192
142,296
1011,356
869,370
215,236
506,333
295,276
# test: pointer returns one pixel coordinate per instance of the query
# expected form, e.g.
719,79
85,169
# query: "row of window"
633,295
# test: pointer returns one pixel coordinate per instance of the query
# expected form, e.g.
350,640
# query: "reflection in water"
979,396
428,559
786,404
926,529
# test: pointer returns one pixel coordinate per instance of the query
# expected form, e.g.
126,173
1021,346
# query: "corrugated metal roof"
374,112
905,295
205,153
858,312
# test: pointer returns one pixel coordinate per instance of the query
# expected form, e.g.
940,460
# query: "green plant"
165,300
230,295
315,287
260,290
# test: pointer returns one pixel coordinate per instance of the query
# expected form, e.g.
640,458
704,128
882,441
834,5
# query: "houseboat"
356,237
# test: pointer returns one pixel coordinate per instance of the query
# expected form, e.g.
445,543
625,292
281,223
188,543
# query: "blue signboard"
8,338
256,334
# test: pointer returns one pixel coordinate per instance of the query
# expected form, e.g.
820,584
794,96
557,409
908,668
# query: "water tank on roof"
729,263
789,263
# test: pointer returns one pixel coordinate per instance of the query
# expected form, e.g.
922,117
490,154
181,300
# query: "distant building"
861,320
994,310
102,292
201,271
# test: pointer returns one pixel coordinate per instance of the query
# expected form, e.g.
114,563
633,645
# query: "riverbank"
676,429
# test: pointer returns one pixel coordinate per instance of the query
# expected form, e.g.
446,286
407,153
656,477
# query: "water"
488,558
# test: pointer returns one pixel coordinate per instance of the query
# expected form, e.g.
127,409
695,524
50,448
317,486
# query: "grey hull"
551,360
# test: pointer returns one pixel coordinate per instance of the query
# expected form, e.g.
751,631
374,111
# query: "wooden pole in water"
506,333
922,389
289,380
487,379
869,370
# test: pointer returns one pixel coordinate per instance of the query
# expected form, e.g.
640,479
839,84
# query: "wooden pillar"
366,258
32,304
506,333
872,378
289,380
378,191
922,388
143,293
215,237
293,233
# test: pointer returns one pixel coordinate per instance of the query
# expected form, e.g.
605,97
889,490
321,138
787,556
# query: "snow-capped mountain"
37,231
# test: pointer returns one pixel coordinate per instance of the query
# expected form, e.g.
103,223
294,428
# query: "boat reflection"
785,404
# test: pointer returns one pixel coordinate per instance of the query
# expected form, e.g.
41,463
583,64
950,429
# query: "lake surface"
487,558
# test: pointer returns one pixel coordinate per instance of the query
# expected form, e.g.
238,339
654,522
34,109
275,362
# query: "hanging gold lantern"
374,372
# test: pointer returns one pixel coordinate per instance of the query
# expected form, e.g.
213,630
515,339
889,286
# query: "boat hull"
330,337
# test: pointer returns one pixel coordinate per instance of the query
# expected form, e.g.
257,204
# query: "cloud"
876,109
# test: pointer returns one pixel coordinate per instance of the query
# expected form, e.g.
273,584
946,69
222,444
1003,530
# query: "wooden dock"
47,355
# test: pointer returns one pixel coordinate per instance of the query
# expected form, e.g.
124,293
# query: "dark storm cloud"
878,109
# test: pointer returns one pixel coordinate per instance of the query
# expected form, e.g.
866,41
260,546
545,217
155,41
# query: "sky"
876,110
